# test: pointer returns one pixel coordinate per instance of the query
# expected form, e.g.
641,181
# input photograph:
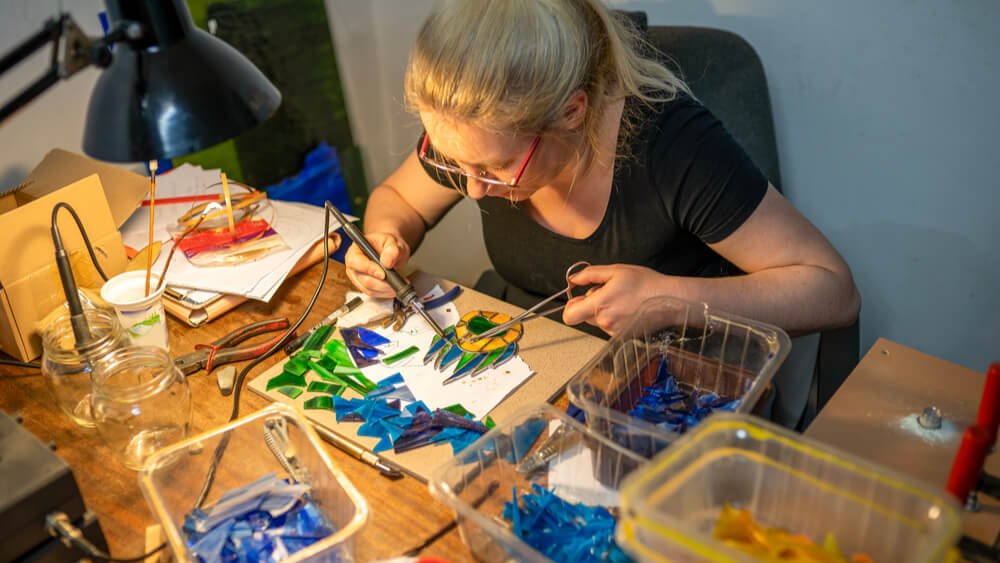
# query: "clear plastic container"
705,350
173,479
537,445
671,505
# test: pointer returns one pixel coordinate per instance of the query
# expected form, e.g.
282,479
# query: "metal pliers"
224,350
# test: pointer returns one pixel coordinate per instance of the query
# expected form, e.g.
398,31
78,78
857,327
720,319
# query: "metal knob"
930,418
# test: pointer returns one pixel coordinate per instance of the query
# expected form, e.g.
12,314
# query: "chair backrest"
725,73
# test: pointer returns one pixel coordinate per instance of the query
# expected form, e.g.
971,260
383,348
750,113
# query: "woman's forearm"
388,212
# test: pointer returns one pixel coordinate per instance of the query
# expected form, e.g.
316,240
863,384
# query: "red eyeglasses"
483,176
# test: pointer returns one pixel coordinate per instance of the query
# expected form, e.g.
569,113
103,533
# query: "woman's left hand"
621,289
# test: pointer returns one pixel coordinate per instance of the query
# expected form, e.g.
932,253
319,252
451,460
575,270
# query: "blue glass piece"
209,546
346,409
440,300
370,337
562,531
508,353
450,357
394,379
415,407
384,444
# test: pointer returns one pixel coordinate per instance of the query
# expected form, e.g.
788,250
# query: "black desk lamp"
168,89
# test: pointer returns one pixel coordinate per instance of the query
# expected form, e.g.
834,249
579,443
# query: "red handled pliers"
224,350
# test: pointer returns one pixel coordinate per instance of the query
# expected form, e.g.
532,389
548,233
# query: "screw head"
930,418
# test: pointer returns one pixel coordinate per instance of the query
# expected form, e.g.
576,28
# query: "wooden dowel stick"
152,211
229,206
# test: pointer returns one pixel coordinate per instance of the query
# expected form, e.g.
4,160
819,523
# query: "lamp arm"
72,51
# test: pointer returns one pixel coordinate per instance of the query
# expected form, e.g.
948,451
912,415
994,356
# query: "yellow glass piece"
463,332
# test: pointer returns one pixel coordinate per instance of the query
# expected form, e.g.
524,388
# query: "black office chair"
726,75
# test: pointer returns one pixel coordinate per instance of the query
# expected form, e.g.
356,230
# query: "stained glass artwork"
472,358
478,322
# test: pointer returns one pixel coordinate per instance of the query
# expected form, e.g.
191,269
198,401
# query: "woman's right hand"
394,253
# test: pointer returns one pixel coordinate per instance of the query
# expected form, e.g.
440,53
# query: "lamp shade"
171,88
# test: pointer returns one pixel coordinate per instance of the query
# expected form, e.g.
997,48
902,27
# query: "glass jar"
67,367
141,402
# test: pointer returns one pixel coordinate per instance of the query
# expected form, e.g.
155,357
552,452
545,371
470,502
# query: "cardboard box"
103,195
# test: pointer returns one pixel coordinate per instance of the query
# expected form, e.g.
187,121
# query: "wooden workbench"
872,416
402,514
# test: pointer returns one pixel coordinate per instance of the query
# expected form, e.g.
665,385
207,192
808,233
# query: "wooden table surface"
873,416
402,513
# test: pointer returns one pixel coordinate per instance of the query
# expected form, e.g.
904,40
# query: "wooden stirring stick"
229,206
152,209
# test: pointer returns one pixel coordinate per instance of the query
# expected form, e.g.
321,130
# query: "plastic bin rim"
161,457
747,402
635,498
441,489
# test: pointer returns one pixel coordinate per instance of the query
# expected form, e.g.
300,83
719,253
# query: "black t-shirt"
686,183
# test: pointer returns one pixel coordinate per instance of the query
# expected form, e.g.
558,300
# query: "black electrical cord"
278,345
58,524
83,232
17,363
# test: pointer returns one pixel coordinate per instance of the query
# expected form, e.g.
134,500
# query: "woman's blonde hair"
510,66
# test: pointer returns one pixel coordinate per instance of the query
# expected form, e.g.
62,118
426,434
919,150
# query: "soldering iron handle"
397,282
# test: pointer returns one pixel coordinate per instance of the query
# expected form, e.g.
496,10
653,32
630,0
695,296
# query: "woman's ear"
574,111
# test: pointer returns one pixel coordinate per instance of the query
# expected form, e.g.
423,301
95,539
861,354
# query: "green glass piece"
327,363
341,369
400,355
489,422
286,379
289,391
337,351
480,324
319,402
338,378
318,338
458,409
325,387
466,358
367,383
492,357
297,365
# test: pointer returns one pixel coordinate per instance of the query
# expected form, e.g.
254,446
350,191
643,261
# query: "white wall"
885,119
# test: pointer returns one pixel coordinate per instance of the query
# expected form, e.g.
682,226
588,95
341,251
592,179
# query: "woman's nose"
477,189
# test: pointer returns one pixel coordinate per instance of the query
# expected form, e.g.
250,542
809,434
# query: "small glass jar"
141,402
67,366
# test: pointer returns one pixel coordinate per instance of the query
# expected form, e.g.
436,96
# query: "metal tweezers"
533,313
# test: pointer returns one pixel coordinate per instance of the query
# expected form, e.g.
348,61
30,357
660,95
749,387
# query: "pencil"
152,208
229,205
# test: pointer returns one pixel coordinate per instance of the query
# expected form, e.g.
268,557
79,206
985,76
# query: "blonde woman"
577,147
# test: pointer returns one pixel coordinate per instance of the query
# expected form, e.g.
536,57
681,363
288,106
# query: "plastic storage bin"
705,350
537,445
671,505
173,478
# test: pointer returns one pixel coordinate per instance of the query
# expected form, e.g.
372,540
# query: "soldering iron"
405,292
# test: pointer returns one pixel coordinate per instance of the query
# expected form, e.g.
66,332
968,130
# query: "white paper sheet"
299,224
479,395
571,477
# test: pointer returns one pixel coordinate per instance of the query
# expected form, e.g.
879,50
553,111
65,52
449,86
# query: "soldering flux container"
671,505
173,479
704,349
537,445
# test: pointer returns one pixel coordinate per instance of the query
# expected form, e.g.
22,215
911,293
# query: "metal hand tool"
224,350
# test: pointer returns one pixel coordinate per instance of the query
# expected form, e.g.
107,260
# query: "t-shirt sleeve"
708,183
